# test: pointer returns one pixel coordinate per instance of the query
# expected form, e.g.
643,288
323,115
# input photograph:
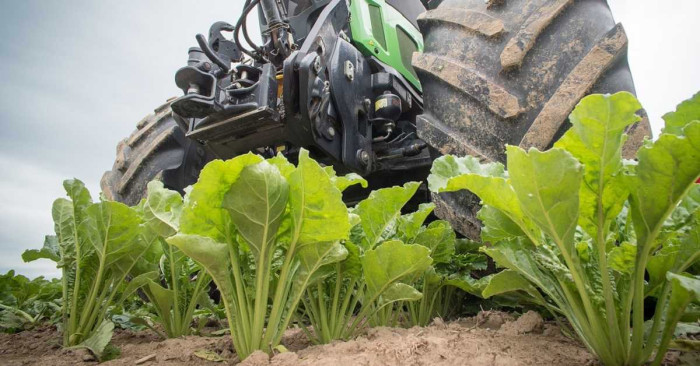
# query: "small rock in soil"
492,319
530,322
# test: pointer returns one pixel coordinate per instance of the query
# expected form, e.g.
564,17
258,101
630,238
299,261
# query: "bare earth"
488,339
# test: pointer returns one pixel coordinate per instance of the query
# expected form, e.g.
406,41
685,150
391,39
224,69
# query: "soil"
491,338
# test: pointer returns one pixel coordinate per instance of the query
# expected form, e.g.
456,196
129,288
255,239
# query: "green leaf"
380,211
113,231
497,226
400,292
683,291
136,283
346,181
392,261
285,167
97,342
468,284
210,255
675,256
317,209
162,209
352,266
488,181
667,169
50,250
256,203
596,139
314,256
440,239
203,213
410,224
163,299
687,111
621,258
547,186
508,281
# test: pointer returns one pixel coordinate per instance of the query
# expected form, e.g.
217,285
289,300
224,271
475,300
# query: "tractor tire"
503,72
157,149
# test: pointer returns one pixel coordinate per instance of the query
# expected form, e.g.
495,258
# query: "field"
490,339
599,254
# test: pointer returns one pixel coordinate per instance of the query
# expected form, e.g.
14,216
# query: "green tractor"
380,88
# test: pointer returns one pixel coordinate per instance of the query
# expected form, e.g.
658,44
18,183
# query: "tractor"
380,88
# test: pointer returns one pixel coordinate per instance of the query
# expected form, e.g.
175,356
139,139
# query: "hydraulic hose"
247,7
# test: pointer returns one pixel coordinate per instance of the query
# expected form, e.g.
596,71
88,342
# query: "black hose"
211,54
247,7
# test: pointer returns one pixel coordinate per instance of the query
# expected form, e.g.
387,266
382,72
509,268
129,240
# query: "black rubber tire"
510,72
157,149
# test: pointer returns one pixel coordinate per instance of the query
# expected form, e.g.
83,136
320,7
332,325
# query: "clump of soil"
491,338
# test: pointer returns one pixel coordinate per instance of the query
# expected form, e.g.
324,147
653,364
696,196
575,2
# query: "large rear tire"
157,149
510,72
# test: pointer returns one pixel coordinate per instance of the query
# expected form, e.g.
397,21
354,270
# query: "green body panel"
380,30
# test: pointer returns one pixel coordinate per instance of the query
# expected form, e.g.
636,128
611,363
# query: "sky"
77,75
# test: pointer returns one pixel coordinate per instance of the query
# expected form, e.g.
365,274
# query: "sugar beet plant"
96,246
262,229
581,227
173,282
377,272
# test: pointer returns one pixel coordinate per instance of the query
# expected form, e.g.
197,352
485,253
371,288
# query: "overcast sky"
77,76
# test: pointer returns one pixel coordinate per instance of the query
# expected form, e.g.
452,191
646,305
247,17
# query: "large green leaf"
256,202
547,186
596,139
667,169
380,211
203,213
162,209
113,231
393,261
317,209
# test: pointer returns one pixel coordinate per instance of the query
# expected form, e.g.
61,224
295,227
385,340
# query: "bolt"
331,131
363,156
317,64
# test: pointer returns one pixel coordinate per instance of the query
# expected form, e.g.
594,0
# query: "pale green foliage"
25,303
173,282
262,229
97,245
576,227
376,274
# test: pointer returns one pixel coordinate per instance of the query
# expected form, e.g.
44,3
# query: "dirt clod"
492,319
530,322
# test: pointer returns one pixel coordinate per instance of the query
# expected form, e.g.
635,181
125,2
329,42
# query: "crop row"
579,233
